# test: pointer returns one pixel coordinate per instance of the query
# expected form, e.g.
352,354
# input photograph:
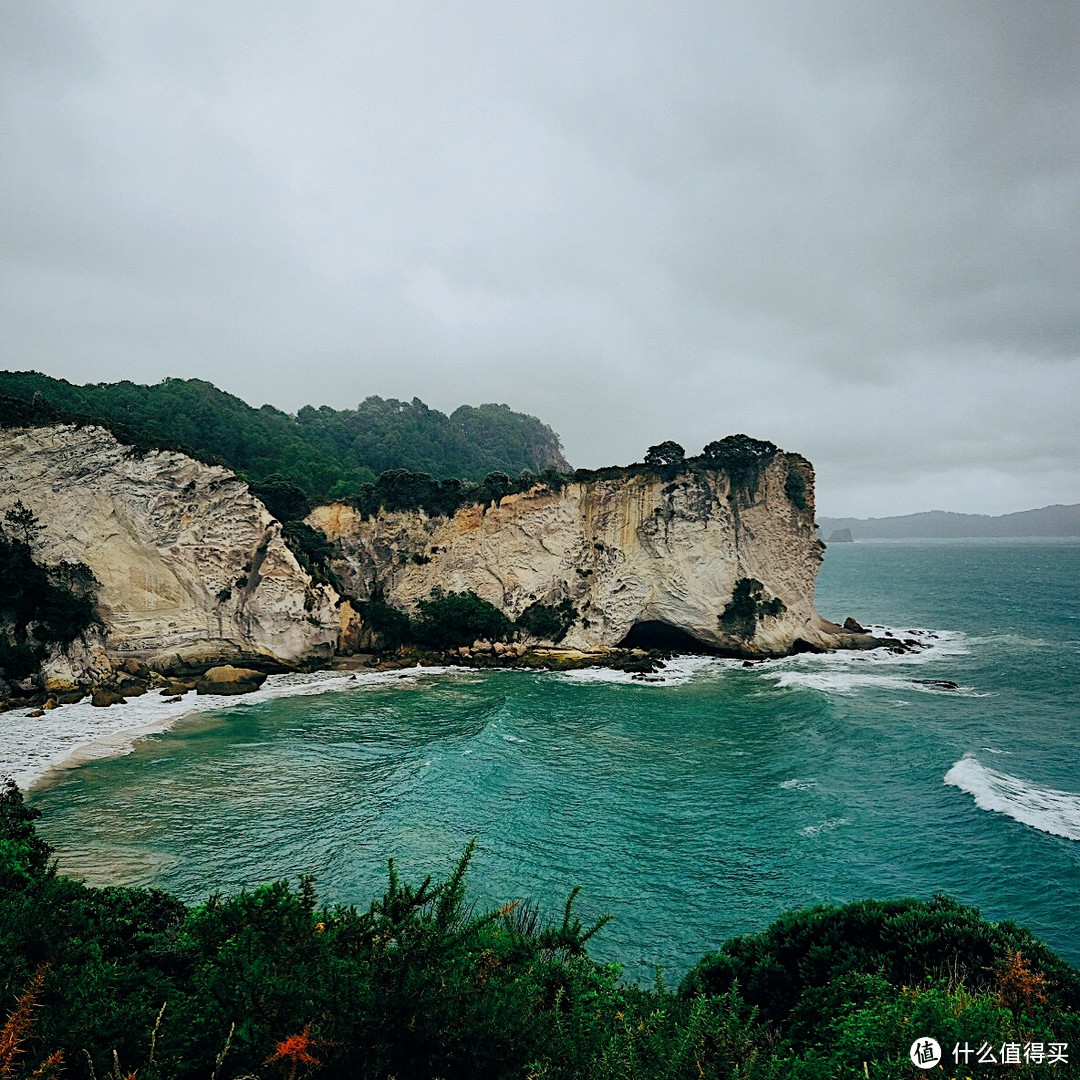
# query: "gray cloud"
848,227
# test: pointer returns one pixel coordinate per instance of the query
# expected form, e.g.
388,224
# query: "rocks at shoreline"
230,680
132,677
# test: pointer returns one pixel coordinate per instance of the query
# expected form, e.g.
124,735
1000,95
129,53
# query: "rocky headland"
192,572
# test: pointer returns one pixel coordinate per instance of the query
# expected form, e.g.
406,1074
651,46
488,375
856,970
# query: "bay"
691,808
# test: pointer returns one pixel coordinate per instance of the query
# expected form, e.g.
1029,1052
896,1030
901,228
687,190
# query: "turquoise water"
691,810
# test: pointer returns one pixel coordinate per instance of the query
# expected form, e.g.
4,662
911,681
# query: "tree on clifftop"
665,453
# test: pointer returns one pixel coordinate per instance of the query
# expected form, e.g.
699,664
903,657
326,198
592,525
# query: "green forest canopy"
329,453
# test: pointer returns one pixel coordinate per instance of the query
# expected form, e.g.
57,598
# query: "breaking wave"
680,669
1047,809
846,672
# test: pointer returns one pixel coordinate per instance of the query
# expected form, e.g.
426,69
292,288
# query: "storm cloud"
852,228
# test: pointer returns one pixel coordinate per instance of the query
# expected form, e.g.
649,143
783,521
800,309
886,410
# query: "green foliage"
313,551
284,499
665,454
747,606
391,626
743,458
548,622
22,523
906,942
797,489
17,832
450,619
422,984
39,605
402,490
328,453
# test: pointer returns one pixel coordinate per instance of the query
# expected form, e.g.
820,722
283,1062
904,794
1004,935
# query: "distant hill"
939,524
329,453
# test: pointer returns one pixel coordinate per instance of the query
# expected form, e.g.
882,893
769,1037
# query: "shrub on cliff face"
284,499
448,620
747,606
797,489
39,605
548,622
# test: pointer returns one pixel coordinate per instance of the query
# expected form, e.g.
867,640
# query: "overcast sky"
852,228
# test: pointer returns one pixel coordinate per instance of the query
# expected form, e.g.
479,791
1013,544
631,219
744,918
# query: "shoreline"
38,745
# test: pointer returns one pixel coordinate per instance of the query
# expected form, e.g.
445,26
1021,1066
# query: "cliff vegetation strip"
328,453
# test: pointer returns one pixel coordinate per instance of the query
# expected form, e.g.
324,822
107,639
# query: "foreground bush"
130,982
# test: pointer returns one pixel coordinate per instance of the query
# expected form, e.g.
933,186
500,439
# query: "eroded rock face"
630,551
193,569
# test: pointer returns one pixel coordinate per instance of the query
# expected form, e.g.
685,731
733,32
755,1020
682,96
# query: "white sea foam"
846,672
848,682
1047,809
798,785
31,747
675,672
826,826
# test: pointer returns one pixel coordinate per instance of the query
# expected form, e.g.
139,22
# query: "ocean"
692,807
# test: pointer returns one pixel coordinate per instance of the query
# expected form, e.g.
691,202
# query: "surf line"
1044,808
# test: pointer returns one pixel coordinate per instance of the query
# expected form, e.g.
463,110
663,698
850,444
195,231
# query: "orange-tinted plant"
1018,985
294,1052
49,1069
17,1026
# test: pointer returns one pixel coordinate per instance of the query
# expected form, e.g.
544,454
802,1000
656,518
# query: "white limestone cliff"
631,550
192,568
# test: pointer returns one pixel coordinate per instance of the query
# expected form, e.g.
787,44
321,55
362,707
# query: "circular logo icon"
925,1053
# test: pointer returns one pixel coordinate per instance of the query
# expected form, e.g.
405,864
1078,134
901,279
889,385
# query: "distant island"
1054,520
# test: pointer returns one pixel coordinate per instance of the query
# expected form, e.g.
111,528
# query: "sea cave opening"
655,634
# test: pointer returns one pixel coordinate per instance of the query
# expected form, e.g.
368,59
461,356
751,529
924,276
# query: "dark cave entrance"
653,634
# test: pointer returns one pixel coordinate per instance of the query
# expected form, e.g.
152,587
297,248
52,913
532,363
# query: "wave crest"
1043,808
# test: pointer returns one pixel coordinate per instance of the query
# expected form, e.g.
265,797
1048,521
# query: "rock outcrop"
193,570
230,680
647,558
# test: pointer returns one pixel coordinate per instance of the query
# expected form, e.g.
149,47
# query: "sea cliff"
191,568
680,556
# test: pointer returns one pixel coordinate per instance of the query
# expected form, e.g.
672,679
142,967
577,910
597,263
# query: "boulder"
172,687
103,698
854,627
230,680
